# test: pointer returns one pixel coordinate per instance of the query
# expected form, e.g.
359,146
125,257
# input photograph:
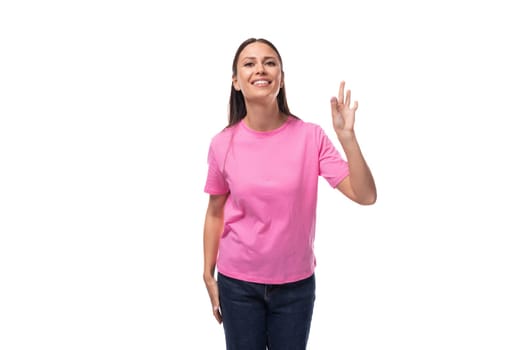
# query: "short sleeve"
332,166
215,181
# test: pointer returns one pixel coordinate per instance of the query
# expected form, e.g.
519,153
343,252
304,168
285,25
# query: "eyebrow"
264,58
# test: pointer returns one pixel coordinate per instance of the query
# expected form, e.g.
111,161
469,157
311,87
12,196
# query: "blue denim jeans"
266,316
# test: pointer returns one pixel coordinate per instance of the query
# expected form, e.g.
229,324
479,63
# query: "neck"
263,118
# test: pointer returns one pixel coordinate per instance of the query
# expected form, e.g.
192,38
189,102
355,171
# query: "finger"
333,105
217,313
342,92
356,104
347,101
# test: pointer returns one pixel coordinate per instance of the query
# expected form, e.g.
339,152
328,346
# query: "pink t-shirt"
270,214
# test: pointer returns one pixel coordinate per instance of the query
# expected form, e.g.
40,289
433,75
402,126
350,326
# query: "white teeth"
261,82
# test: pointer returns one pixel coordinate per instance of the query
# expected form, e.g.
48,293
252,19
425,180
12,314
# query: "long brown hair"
237,106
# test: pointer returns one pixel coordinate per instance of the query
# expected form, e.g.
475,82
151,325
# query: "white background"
107,108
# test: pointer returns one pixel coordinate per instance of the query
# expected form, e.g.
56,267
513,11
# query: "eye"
248,64
271,63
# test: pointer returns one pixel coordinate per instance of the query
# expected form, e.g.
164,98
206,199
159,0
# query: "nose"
260,68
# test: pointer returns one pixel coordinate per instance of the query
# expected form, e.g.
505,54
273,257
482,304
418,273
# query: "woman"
260,222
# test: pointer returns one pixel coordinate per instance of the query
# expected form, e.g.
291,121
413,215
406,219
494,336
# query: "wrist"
346,136
208,277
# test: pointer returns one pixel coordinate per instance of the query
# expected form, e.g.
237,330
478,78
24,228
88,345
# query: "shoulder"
222,137
299,124
309,128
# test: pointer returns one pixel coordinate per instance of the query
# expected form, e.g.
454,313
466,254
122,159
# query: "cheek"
242,78
281,79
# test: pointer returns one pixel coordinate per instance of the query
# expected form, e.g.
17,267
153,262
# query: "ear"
235,83
282,80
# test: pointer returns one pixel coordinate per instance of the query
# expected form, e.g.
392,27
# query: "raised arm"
359,186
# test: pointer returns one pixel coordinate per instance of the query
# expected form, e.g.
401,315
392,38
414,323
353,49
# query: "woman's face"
259,72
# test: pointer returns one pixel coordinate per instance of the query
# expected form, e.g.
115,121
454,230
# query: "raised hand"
343,116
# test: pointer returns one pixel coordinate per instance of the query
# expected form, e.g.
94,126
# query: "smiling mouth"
261,83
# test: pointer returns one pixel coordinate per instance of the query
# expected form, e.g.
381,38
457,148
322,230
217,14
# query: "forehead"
257,49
